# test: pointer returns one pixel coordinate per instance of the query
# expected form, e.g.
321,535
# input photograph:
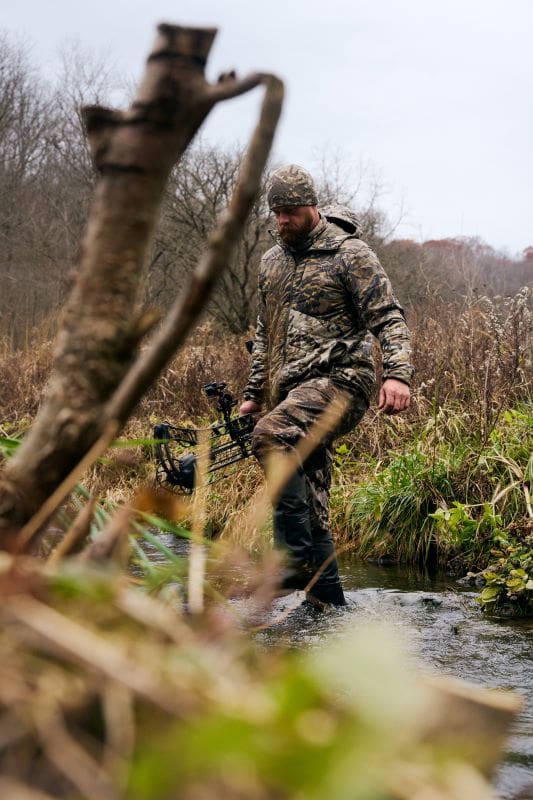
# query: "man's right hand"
249,407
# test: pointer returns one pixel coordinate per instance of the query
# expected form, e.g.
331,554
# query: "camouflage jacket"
317,308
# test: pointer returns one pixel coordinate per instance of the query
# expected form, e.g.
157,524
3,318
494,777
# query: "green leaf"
146,440
490,593
159,545
8,445
519,573
163,525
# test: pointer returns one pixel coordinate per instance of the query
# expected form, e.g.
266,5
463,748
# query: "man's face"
295,223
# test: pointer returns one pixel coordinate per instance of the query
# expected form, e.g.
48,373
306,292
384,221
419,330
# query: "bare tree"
360,187
47,177
24,123
196,194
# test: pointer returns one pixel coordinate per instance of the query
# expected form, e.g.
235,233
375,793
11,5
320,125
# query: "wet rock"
432,602
472,579
415,599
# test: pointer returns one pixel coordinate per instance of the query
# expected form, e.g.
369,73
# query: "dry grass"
23,375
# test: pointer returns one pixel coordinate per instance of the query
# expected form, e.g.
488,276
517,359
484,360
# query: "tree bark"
97,345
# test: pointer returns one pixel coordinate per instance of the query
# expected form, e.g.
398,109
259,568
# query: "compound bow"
229,442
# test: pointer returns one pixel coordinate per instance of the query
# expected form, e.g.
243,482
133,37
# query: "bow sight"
229,442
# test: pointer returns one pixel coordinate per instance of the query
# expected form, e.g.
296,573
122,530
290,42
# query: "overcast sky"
434,96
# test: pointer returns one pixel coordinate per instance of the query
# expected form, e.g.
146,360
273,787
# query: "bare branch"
229,86
220,245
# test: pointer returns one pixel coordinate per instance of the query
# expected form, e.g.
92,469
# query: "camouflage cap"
291,185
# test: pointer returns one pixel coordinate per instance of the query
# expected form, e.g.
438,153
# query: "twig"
195,591
119,717
77,533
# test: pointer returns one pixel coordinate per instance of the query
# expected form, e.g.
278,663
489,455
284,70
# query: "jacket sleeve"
380,312
256,380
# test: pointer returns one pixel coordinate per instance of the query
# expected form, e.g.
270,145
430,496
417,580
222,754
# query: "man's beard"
294,237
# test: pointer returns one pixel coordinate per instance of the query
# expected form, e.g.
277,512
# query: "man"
321,291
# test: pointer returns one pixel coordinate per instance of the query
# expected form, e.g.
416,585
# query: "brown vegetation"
474,357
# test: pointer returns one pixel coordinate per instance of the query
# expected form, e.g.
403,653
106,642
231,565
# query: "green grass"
443,489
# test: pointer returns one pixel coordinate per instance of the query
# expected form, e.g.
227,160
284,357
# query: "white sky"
437,95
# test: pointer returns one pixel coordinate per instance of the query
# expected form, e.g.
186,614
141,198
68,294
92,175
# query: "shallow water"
442,628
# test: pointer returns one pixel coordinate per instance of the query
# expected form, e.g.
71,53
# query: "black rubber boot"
330,594
292,532
296,579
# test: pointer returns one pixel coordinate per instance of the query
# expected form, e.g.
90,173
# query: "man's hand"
249,407
394,396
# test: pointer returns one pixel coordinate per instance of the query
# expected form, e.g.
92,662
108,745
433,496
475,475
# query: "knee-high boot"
292,531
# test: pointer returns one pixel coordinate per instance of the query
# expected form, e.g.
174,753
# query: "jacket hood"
344,217
335,226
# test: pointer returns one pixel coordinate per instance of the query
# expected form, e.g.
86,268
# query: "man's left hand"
394,396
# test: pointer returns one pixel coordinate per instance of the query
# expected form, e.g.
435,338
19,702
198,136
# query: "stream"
441,626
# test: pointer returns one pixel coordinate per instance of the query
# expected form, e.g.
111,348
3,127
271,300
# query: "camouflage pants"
303,525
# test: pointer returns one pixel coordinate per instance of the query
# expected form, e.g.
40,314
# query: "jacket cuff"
402,378
253,394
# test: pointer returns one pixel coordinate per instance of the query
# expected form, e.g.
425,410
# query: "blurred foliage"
110,693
